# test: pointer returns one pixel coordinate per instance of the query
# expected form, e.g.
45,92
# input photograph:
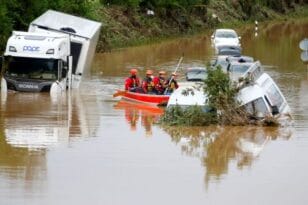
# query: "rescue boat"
149,99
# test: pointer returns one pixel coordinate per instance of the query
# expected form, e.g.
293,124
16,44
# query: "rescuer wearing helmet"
148,84
160,82
171,84
132,82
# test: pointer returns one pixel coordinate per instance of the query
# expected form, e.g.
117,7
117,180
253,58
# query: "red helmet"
133,71
149,72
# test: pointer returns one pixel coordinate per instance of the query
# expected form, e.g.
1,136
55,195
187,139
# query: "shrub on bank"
172,17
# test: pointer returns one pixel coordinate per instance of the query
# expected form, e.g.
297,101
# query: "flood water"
87,148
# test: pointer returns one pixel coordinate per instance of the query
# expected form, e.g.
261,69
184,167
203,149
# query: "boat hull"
150,99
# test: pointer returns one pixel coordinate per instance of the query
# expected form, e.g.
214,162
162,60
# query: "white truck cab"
36,61
52,56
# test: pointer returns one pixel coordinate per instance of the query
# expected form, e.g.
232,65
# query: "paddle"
119,93
176,69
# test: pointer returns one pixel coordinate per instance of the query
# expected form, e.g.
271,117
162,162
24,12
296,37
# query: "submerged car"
196,74
224,60
240,71
190,92
264,98
226,37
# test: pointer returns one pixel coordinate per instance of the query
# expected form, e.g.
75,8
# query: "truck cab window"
32,68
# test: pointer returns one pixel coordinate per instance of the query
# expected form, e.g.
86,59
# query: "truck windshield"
32,68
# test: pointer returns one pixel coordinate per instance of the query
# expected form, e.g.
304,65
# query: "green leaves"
188,116
17,14
219,88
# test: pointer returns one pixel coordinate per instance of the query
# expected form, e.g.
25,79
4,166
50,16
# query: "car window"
225,34
196,75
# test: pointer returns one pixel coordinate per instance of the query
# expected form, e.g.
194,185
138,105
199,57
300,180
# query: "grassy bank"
134,27
133,22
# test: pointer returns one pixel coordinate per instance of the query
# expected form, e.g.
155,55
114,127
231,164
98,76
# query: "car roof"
245,95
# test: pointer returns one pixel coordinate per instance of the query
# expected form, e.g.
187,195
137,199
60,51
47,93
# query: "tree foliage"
17,14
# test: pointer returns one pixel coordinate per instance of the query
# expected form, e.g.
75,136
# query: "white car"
225,37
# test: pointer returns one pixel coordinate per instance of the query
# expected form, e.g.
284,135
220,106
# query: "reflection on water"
217,147
38,121
34,120
30,124
134,112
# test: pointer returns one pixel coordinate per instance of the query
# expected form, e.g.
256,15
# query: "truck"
52,56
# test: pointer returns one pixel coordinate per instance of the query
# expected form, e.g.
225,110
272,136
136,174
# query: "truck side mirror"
1,62
64,72
275,110
65,64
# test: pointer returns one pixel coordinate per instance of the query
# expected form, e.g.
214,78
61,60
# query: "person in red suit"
132,83
160,82
147,83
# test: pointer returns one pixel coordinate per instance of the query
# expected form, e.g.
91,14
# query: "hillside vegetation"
130,22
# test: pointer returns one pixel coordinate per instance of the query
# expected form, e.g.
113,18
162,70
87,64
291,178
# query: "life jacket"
159,83
173,85
148,84
132,82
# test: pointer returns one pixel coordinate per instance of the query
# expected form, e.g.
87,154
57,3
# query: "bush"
191,116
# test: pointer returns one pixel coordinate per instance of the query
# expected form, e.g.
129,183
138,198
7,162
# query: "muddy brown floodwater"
87,148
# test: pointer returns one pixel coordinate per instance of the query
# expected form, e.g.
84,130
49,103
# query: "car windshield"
225,34
32,68
196,75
